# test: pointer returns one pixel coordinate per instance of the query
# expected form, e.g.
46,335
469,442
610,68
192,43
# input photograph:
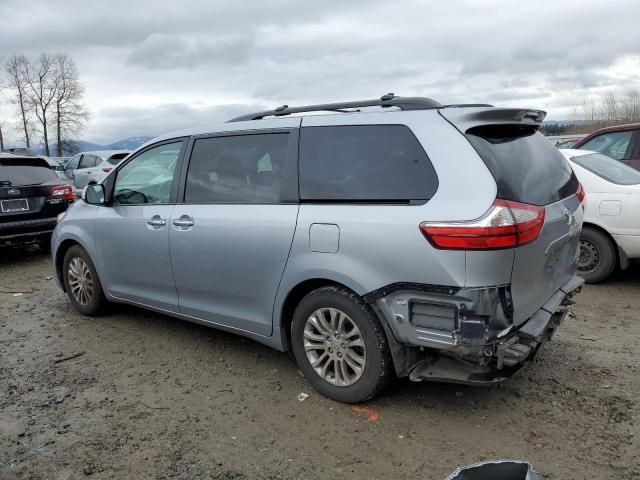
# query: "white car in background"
611,230
88,168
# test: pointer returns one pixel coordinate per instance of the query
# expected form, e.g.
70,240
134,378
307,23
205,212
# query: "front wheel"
340,345
82,283
597,256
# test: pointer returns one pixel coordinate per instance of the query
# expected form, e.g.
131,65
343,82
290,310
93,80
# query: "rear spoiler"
466,118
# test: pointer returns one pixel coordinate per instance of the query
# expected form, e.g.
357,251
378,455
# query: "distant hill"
130,143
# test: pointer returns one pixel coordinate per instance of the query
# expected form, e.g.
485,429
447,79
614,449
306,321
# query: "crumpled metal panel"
496,470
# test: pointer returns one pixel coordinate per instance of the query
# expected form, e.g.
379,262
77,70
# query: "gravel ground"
149,396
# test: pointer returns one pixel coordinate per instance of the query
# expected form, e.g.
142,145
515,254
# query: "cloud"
161,51
122,122
150,65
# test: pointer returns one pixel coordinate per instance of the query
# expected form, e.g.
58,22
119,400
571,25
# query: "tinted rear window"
526,166
25,171
611,170
364,163
117,158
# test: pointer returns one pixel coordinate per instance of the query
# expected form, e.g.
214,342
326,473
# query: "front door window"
147,178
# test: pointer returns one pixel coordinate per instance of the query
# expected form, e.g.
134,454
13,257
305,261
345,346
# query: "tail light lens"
582,196
107,169
507,225
64,192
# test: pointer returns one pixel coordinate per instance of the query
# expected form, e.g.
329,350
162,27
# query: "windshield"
606,167
25,171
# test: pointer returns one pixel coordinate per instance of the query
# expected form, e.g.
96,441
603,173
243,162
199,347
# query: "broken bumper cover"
451,358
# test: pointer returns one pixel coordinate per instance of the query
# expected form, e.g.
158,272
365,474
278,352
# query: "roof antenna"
388,96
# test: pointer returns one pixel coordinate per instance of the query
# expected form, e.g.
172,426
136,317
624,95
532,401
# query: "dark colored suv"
621,142
31,198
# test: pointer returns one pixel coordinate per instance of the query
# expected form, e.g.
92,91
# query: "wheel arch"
60,252
293,298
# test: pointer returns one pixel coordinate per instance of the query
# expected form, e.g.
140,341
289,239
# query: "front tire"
340,345
82,283
597,256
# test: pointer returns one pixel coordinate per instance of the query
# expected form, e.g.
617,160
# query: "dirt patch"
155,397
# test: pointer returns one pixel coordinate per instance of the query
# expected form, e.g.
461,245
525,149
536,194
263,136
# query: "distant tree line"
611,109
47,95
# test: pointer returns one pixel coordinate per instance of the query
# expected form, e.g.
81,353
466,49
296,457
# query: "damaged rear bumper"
451,339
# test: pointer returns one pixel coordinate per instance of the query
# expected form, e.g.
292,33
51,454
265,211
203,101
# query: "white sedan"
611,231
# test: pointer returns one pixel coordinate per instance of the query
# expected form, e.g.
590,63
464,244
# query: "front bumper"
469,354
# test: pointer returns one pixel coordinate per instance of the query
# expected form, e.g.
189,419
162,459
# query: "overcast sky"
150,68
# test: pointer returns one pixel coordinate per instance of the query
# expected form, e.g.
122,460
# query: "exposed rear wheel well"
296,294
60,253
616,249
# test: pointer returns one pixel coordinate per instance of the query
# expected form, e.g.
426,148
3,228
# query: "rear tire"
597,256
82,283
341,335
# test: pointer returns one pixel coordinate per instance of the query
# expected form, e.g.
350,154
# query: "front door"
132,234
231,237
71,167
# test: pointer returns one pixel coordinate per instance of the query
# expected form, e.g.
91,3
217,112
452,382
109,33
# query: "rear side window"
526,166
237,169
364,163
19,171
89,161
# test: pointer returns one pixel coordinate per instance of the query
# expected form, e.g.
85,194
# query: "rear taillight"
64,192
582,196
107,169
507,225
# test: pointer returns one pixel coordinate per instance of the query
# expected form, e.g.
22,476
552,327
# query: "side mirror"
93,194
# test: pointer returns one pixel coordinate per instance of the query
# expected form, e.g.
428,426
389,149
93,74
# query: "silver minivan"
389,237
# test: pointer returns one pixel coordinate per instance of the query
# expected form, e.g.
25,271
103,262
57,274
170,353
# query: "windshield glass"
606,167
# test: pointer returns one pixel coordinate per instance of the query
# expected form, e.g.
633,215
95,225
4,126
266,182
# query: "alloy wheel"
80,281
334,347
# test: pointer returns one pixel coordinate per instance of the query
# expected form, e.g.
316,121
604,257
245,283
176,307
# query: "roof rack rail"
388,100
467,105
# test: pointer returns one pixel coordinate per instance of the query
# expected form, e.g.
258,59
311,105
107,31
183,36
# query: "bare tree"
16,68
69,112
41,93
1,139
631,106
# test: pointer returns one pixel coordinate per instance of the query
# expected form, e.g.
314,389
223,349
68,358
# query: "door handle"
156,221
184,221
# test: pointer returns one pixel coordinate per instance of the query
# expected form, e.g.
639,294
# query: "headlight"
61,216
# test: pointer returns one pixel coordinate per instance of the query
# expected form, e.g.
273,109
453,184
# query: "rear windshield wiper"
5,183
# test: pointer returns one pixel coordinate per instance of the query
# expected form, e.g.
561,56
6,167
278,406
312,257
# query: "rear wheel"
340,345
82,283
597,256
